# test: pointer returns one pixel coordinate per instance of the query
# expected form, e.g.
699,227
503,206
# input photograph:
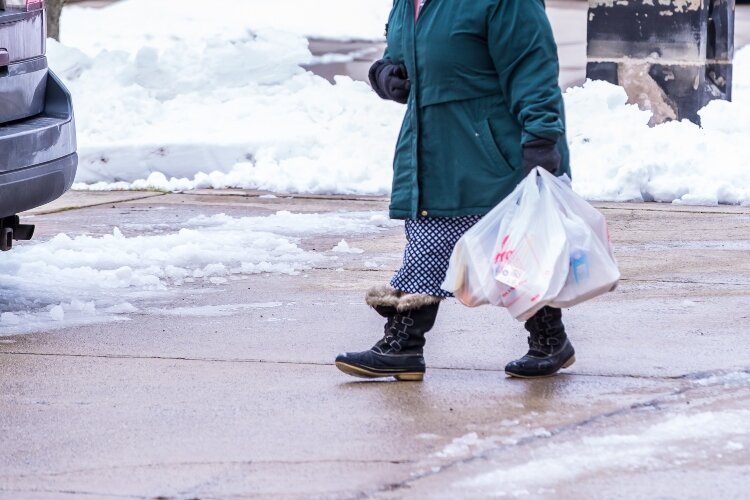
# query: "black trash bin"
671,57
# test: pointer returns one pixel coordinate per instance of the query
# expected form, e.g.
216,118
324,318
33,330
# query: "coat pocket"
491,149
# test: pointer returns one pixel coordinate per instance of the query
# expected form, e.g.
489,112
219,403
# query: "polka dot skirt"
429,244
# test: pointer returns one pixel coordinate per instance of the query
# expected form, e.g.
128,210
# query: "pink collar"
417,7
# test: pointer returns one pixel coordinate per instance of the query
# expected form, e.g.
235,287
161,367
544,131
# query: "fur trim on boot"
386,296
382,296
412,301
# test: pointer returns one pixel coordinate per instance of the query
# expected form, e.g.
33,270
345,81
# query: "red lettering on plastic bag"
504,256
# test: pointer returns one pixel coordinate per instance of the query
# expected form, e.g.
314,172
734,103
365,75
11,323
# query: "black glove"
390,80
541,153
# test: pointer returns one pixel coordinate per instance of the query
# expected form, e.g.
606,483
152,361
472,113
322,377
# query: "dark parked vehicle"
38,157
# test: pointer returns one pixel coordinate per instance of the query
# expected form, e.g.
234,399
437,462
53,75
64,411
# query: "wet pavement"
179,402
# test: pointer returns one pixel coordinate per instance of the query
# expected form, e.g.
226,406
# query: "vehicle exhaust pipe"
6,239
12,229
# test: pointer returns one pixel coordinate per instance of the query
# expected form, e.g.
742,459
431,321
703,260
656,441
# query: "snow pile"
84,277
222,93
216,98
618,157
160,23
279,129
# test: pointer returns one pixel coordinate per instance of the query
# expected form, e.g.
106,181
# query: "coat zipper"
417,211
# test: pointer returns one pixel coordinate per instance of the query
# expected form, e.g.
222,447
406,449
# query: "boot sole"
567,364
358,371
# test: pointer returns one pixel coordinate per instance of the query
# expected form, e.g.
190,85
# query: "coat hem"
463,212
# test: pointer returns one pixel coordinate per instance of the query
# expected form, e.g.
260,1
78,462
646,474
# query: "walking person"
480,80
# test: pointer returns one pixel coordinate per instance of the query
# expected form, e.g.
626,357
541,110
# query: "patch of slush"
726,380
214,311
464,446
247,115
343,247
32,315
732,446
676,440
71,280
737,245
471,444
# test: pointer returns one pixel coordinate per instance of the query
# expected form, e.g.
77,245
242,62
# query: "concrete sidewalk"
250,405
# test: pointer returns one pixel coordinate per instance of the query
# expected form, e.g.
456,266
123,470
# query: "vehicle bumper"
38,159
31,187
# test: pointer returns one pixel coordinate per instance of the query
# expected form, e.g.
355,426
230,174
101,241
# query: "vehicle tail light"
23,4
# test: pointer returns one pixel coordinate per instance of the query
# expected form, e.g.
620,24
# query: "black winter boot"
399,353
549,347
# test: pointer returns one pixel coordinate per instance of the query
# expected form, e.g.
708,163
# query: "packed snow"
163,22
678,439
218,99
85,279
343,247
266,124
618,157
214,98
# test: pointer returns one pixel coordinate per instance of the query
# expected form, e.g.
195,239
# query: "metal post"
671,56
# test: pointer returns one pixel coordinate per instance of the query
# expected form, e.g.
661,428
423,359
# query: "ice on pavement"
215,100
214,311
677,439
725,380
81,279
714,425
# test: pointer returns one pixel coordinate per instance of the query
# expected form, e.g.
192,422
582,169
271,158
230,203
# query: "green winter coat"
484,81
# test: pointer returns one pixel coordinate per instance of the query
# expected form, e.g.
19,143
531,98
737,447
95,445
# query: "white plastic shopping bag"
542,245
593,267
470,274
530,261
514,257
